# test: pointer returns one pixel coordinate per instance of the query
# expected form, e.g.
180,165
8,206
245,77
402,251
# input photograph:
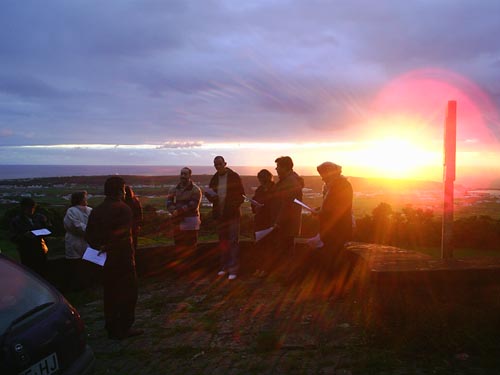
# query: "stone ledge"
392,266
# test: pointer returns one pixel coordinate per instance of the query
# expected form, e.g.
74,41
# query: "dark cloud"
30,87
185,69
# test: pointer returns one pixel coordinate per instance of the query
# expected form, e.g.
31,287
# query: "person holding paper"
75,224
335,214
265,209
109,230
183,203
228,197
31,246
289,216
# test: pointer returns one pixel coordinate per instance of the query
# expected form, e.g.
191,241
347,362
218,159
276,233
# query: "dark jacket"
289,216
109,229
335,217
234,196
137,214
265,216
32,249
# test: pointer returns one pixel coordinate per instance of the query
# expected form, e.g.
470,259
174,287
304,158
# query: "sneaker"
221,273
232,276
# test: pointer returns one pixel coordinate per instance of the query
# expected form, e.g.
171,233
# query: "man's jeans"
228,231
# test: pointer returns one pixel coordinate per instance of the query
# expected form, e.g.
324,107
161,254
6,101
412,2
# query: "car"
40,332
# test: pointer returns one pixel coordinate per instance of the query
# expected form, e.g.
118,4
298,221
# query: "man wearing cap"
335,214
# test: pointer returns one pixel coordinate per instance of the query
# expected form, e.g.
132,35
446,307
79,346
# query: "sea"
8,172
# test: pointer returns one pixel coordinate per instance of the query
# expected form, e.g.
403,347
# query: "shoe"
232,276
221,273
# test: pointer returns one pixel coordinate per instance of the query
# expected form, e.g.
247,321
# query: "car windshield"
20,293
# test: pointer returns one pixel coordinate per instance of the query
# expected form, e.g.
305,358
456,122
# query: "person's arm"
190,204
195,200
138,212
212,198
96,234
241,191
170,201
73,223
257,197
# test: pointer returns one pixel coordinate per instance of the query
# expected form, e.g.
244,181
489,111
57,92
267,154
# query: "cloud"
6,133
26,86
169,145
127,72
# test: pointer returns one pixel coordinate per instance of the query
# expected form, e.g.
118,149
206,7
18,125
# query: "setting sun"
397,158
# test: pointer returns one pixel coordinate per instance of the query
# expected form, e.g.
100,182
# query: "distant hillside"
311,182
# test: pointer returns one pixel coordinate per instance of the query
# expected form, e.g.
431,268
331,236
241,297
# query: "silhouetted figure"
137,215
183,203
109,230
335,214
75,224
265,216
32,248
289,217
227,196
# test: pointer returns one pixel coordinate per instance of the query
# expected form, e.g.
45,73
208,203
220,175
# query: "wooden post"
450,150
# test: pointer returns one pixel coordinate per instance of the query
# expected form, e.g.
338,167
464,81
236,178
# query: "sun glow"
398,158
403,137
398,146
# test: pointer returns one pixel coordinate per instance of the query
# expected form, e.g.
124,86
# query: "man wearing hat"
335,214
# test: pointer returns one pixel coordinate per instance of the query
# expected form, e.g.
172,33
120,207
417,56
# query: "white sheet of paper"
41,232
303,205
262,233
92,255
253,201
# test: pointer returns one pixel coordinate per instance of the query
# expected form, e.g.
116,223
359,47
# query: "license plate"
46,366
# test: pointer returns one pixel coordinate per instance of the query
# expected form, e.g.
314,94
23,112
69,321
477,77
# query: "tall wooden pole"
450,150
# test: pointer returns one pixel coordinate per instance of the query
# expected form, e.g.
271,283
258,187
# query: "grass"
7,247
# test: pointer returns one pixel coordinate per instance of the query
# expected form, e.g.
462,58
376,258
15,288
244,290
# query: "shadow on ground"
300,319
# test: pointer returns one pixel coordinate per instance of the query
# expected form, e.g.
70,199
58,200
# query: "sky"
362,83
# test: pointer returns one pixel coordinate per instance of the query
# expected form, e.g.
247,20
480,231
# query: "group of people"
275,208
112,227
